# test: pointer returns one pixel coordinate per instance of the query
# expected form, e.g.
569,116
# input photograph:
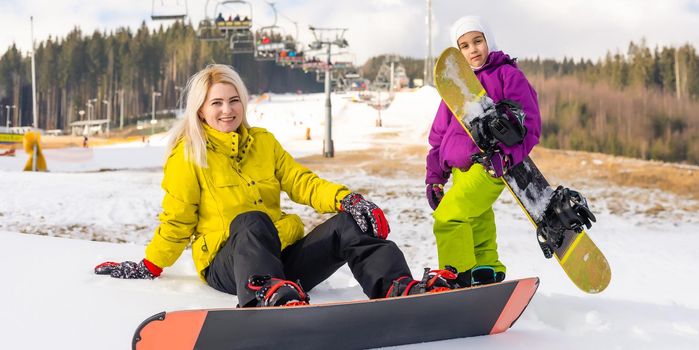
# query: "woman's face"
474,47
222,109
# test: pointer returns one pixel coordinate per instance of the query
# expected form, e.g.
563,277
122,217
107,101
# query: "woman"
223,181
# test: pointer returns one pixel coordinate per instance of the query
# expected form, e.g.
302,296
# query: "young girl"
464,224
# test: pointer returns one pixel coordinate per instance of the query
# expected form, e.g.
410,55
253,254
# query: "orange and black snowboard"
469,312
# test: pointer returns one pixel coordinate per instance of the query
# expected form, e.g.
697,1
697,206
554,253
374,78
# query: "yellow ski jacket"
247,170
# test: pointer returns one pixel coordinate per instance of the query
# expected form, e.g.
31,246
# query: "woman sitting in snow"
223,181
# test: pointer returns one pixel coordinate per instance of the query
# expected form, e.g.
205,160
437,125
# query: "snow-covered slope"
52,300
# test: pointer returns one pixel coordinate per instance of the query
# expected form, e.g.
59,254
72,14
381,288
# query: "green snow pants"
464,222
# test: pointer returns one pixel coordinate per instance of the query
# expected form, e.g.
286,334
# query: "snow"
101,204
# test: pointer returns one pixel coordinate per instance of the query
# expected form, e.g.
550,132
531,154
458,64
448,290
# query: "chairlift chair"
177,10
314,66
269,43
290,57
227,23
334,76
290,61
342,65
242,42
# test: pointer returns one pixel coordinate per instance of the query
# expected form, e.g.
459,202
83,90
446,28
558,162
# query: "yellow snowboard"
580,258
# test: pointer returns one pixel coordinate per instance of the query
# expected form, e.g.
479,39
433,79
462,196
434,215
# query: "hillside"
101,203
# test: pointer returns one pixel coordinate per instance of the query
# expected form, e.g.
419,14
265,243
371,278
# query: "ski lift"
292,54
242,42
314,65
320,76
207,31
169,10
290,58
233,21
270,41
337,79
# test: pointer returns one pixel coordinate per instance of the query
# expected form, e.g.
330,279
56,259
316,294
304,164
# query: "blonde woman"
223,180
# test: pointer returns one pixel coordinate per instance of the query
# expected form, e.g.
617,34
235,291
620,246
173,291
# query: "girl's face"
222,109
474,47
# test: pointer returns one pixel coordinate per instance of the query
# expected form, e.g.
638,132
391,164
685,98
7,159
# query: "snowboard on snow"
458,313
555,213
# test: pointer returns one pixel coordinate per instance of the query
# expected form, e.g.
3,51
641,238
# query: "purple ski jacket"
451,145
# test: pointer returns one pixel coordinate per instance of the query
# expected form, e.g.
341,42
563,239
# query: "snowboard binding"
433,281
567,211
271,291
500,123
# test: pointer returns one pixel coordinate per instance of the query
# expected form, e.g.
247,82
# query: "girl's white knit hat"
467,24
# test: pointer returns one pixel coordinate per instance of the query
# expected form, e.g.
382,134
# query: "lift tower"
324,38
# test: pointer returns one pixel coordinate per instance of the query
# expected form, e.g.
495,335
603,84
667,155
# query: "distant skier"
464,221
223,181
84,141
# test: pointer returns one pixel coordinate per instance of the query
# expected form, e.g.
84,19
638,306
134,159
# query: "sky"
531,28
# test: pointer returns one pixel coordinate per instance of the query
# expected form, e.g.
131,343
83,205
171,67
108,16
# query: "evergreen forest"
642,103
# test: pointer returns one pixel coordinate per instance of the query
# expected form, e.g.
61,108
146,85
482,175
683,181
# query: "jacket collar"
496,59
231,144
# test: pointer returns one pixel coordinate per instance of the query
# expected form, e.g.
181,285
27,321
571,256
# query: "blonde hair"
190,129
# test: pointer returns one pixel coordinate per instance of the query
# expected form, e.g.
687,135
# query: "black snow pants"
253,248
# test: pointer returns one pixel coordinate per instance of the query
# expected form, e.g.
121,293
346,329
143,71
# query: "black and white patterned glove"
367,215
129,269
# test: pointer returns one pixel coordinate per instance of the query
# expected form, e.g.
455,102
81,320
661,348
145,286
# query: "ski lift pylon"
163,10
